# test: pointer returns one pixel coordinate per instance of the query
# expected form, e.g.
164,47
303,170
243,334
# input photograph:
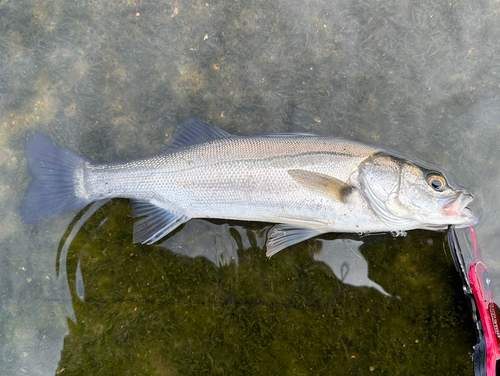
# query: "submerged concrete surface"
111,79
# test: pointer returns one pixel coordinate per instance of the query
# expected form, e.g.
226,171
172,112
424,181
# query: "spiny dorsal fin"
191,132
327,185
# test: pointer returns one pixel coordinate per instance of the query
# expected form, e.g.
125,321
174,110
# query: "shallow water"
112,79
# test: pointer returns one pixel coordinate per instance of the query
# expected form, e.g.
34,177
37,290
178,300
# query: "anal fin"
156,222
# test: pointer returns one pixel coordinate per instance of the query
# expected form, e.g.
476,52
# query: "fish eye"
437,182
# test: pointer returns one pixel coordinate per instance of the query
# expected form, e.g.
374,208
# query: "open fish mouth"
457,207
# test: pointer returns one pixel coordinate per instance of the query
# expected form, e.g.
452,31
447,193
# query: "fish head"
407,195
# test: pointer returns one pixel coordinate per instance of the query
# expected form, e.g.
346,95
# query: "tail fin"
52,190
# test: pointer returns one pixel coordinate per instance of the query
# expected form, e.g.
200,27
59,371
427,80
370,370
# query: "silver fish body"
307,184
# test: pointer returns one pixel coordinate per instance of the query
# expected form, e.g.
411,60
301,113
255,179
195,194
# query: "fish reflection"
220,244
213,243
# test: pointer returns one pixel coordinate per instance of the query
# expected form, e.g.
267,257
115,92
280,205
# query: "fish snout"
458,207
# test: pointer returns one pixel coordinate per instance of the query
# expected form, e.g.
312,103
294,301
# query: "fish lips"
457,207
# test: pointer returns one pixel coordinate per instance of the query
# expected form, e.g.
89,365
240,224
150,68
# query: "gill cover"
380,181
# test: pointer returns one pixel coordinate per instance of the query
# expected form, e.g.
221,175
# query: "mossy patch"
149,311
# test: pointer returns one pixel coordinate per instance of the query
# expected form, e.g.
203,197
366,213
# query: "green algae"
148,311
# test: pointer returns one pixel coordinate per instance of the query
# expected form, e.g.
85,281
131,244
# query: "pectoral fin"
324,184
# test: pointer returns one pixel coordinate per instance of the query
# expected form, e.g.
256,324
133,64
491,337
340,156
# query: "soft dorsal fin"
285,134
191,132
327,185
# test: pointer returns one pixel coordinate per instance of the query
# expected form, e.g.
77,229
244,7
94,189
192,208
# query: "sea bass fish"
307,184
